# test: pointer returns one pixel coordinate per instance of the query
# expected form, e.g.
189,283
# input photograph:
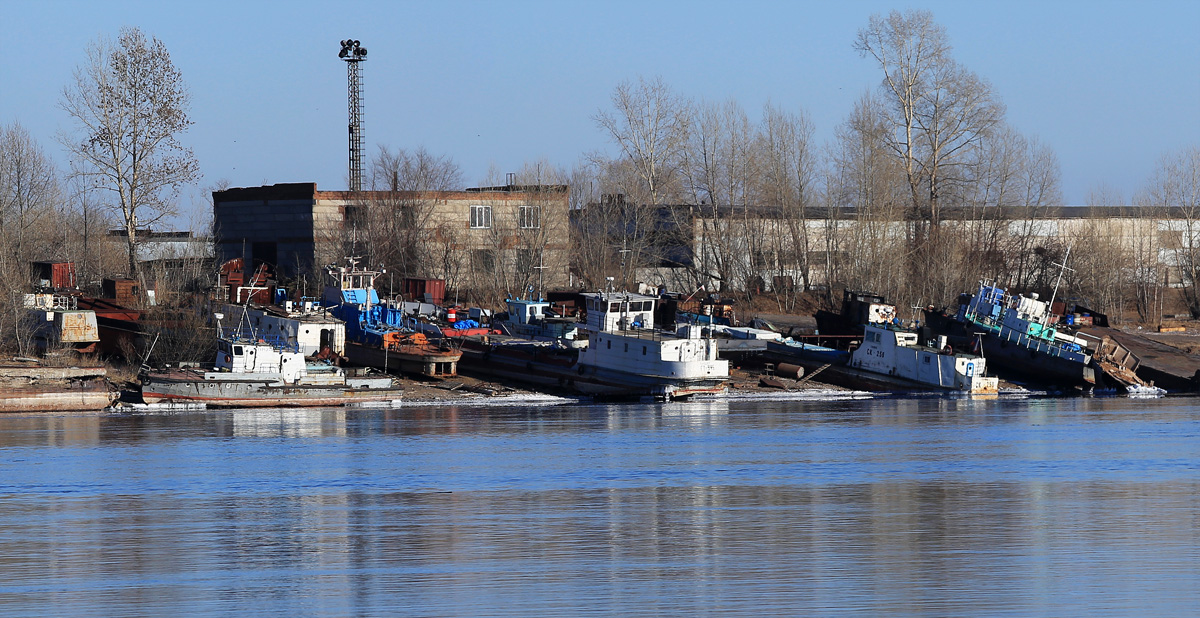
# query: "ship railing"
63,302
52,302
986,321
649,334
240,335
1034,343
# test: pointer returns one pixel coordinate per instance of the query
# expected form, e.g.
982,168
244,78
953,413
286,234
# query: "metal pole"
353,53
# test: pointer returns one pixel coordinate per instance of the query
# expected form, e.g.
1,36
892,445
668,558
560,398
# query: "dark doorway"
264,253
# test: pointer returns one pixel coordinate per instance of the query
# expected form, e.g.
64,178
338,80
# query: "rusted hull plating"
248,394
426,360
88,396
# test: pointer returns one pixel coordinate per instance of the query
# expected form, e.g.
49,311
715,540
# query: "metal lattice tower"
354,54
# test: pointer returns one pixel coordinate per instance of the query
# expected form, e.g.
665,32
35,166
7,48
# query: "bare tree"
597,230
938,114
649,124
130,105
717,168
624,232
542,228
398,221
909,48
29,191
786,183
1100,255
1009,185
1175,185
865,243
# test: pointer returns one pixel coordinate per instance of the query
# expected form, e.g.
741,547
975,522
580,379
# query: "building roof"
948,213
308,191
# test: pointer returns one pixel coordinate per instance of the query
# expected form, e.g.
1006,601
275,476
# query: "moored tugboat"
884,355
379,334
624,355
891,351
252,371
1024,340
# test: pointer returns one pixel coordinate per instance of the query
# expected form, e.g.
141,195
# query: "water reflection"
908,548
891,506
289,422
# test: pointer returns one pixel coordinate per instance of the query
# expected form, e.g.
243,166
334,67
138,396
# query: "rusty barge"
30,387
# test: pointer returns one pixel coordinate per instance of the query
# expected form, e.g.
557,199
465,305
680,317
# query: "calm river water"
896,507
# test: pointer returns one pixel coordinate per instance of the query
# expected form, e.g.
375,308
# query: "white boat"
306,326
625,355
623,345
891,351
533,319
254,371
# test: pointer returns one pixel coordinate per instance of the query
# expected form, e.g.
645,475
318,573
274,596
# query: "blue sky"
1110,86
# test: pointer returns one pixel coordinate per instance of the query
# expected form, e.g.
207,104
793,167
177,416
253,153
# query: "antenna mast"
354,54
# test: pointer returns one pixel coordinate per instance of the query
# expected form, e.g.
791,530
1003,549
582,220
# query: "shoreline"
467,390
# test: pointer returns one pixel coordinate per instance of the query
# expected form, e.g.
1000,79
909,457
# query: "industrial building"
490,240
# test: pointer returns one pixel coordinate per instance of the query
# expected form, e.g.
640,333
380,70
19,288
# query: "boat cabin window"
237,350
614,307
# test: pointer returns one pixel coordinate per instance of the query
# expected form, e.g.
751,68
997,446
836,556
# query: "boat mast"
1062,267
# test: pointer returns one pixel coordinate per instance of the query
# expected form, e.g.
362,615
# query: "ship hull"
256,393
87,396
32,388
428,361
1012,361
541,364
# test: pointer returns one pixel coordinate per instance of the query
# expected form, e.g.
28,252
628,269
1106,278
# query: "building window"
483,260
525,262
481,216
529,217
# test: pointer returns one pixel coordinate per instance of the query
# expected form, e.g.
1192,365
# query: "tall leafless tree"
29,190
865,243
648,123
1175,185
130,106
938,114
786,183
398,223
